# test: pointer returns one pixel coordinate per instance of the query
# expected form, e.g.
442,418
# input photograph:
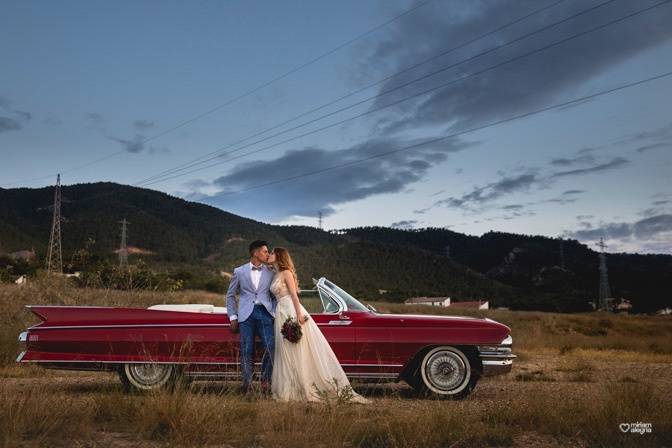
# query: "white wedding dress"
307,370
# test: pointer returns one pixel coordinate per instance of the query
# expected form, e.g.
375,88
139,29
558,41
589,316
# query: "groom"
254,313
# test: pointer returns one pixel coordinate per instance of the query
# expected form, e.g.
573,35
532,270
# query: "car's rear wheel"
444,372
148,376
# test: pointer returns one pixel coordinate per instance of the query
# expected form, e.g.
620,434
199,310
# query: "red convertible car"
154,347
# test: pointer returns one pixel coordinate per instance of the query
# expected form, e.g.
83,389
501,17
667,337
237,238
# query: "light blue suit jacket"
241,281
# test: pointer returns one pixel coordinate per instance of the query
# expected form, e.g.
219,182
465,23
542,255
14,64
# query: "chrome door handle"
340,322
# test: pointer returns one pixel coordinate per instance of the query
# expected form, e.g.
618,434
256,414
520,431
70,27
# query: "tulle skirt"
307,370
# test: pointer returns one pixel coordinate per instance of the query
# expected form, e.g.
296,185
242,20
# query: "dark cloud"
653,211
495,190
513,207
661,202
559,201
651,232
306,196
580,159
137,144
133,146
589,149
652,226
142,125
406,224
524,85
572,192
27,116
662,133
608,231
9,124
654,146
617,162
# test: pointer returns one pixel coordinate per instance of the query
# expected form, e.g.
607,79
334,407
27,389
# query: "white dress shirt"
256,276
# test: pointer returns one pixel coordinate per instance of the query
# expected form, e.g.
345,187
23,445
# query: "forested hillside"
192,239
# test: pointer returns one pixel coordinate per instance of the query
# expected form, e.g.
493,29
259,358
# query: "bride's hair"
284,262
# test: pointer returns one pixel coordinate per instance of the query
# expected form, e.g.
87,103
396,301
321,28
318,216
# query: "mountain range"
377,263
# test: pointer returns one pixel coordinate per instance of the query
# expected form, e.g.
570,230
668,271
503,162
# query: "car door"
335,325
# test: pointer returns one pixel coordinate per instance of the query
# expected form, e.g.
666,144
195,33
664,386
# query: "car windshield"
352,303
318,301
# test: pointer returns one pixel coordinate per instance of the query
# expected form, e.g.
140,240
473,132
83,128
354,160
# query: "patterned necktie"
256,268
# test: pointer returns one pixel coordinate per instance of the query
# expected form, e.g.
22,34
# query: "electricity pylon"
605,293
54,253
123,249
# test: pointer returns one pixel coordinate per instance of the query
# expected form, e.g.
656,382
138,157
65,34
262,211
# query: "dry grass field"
577,378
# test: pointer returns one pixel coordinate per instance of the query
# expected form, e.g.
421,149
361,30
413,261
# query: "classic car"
155,347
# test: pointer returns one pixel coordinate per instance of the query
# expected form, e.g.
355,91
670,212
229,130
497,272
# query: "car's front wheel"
148,376
444,372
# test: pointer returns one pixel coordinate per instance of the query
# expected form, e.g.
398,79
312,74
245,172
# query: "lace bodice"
279,287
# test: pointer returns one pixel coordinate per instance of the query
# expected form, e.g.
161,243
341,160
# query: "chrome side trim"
20,357
62,327
371,375
372,365
48,361
192,363
72,306
237,375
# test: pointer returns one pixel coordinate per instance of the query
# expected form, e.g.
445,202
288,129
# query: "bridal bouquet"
291,330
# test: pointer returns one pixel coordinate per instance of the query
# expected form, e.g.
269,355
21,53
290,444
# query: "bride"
307,370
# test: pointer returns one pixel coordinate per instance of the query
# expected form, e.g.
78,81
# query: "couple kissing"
268,296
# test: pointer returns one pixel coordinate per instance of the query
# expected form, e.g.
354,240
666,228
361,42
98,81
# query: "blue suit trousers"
260,323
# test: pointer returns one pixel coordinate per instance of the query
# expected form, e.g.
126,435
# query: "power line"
371,98
440,139
576,101
189,164
246,93
424,92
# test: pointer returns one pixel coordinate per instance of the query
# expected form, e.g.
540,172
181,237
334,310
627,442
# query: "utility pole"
123,249
54,253
447,251
319,220
605,293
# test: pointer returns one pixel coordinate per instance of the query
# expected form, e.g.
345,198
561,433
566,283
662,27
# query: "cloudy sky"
447,113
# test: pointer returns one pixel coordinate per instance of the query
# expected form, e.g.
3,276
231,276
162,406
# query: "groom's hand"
234,326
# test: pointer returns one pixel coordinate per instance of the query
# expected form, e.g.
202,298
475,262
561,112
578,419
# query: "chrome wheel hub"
445,370
149,374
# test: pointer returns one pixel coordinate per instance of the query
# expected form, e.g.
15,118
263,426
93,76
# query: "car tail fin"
38,311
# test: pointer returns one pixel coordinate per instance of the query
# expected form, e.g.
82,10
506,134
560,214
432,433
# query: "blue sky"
83,80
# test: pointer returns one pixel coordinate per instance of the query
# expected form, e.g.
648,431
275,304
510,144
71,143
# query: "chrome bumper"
496,359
